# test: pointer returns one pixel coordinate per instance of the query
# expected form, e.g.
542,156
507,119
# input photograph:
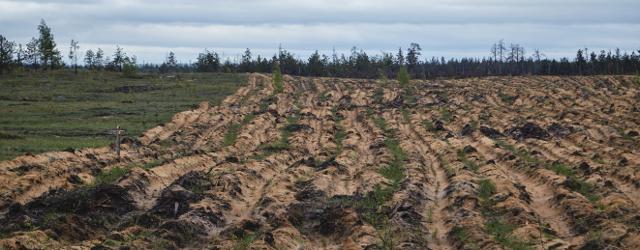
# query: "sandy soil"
307,169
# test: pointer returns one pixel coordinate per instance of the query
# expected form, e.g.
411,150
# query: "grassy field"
58,110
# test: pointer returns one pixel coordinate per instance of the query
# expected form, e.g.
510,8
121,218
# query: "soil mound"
323,163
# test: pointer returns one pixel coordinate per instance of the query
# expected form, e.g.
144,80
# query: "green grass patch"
393,172
372,203
110,176
57,110
283,142
625,136
462,235
378,95
380,123
265,102
383,80
508,99
244,242
231,135
446,115
403,77
445,164
495,224
409,96
429,126
369,111
371,206
278,83
502,232
323,97
520,153
474,124
340,134
406,116
582,187
486,189
573,182
10,136
338,137
153,164
393,146
562,169
462,157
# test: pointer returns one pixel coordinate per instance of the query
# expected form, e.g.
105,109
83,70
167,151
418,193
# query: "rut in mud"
323,163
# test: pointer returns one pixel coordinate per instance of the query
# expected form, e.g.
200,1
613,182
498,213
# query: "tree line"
503,60
42,53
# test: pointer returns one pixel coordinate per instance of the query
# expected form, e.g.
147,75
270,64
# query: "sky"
150,29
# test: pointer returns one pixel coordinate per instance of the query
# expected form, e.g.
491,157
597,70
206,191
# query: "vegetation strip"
234,129
573,182
496,225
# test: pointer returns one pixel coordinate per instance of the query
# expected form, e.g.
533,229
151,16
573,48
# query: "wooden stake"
118,142
118,132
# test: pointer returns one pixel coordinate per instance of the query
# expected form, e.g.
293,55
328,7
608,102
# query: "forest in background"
503,59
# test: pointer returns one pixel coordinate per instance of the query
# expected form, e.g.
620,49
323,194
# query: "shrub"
446,115
339,136
110,176
380,123
562,169
503,233
462,157
403,77
486,189
382,77
582,187
130,70
277,79
153,164
406,116
234,129
243,242
283,142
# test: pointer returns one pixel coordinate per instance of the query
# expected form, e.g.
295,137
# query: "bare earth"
185,189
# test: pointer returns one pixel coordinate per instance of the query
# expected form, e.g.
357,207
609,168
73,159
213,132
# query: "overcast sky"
450,28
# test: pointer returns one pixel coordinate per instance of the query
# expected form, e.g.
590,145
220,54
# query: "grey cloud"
444,28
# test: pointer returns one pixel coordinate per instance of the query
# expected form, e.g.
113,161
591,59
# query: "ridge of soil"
330,163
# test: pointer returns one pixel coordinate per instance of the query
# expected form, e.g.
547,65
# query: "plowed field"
322,163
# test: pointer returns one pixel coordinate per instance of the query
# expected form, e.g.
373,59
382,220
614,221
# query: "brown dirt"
560,151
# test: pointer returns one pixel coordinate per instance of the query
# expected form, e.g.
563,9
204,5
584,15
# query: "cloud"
444,28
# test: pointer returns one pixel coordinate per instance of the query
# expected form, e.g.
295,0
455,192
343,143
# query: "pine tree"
413,54
49,54
208,61
245,64
99,59
170,63
73,54
315,65
118,59
6,53
403,77
580,61
32,53
171,60
20,55
277,78
400,58
89,59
